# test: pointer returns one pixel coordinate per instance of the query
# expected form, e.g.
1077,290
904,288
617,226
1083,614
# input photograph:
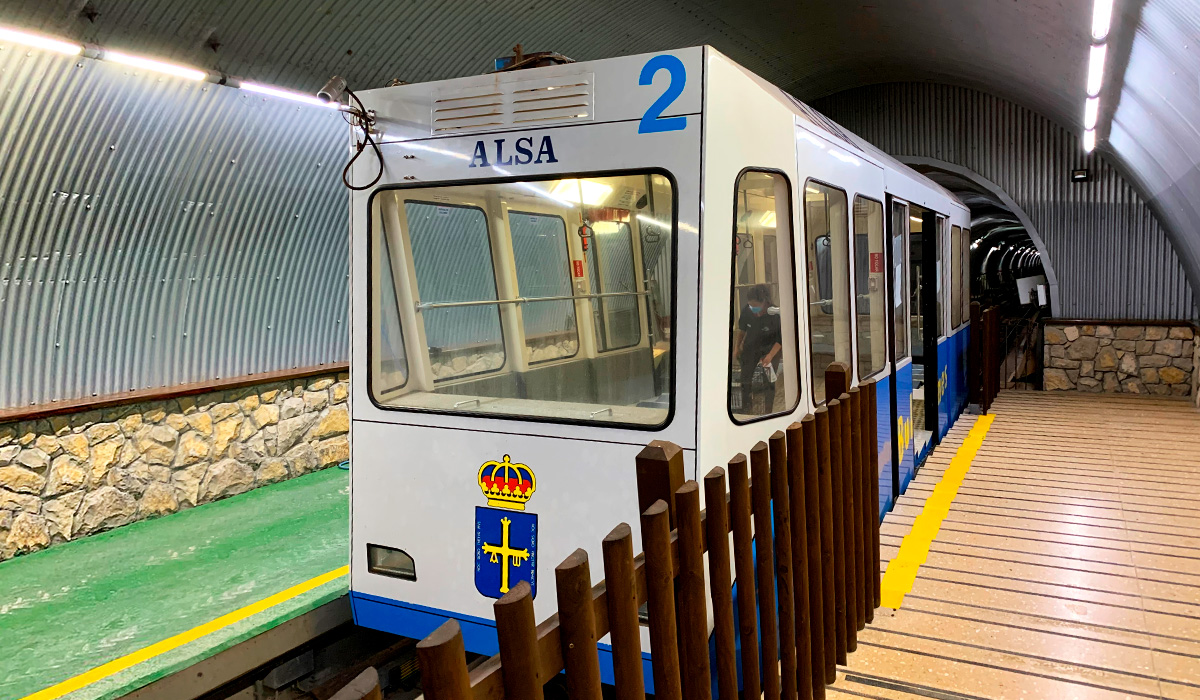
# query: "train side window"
544,270
545,299
871,282
618,324
941,274
955,277
392,374
900,223
452,258
965,280
827,239
763,374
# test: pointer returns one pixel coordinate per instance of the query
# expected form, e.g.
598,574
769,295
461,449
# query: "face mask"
755,309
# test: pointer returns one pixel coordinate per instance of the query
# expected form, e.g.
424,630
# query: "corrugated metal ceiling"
1031,52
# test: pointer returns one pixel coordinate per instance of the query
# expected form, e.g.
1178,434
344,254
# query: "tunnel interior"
1007,271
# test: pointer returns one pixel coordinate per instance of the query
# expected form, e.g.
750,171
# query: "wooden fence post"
856,491
621,588
798,505
693,612
875,563
785,580
824,431
813,529
848,515
837,380
443,662
660,599
717,528
659,476
764,551
743,560
516,631
577,626
870,495
974,358
839,529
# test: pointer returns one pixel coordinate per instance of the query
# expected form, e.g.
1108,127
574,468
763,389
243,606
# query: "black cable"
361,119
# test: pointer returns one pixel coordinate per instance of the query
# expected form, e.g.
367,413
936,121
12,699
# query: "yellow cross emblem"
503,551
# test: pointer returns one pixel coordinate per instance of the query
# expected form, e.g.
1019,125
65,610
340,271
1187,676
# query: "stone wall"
1129,359
74,475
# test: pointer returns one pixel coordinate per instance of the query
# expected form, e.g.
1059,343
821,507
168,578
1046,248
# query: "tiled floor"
1068,567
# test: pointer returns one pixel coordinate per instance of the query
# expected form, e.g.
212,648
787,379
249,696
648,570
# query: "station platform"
100,617
1068,565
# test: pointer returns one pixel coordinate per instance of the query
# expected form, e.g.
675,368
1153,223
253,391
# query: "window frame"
733,310
376,315
599,282
487,228
570,281
812,376
886,289
673,367
956,232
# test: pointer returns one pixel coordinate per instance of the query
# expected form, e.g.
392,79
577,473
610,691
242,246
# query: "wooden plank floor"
1068,567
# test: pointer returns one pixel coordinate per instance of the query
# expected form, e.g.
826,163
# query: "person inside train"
757,345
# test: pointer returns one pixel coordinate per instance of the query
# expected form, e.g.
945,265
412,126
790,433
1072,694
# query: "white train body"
572,374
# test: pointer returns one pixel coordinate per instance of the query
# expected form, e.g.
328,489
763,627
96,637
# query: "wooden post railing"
803,513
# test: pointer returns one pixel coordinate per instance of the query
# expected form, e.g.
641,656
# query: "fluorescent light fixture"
152,65
811,190
915,219
594,193
37,41
1089,140
1101,19
1095,79
288,95
1091,112
767,220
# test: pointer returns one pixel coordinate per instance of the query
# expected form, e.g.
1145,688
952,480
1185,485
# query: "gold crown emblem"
505,484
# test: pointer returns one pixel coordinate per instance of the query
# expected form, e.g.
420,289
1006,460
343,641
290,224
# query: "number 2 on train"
652,121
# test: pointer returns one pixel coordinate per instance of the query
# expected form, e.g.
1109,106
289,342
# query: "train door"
900,384
925,255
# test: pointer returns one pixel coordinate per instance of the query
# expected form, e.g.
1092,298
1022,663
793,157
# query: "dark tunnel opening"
1007,271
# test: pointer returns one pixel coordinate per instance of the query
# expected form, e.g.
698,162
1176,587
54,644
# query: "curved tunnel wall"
1111,256
155,232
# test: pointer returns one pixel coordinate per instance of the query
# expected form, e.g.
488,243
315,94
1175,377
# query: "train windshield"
542,299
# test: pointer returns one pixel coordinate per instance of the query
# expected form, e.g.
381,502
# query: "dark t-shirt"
762,332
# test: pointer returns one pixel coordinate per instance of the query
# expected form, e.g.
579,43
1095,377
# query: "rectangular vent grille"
509,104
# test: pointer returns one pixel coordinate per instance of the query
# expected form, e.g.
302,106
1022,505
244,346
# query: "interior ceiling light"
153,65
1091,111
287,95
1095,77
767,220
1101,19
1089,140
594,193
40,42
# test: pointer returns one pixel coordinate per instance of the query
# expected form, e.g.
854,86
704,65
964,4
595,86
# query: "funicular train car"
561,264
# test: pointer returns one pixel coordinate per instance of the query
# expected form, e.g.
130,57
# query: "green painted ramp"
67,611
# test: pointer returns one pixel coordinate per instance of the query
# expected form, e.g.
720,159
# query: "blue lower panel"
904,425
479,634
883,442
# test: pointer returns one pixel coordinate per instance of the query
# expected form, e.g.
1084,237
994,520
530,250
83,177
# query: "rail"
821,474
421,306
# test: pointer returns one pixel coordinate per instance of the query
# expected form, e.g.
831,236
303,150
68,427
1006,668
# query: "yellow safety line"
902,569
170,643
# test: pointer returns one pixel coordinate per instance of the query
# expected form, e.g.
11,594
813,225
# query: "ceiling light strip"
1102,11
9,35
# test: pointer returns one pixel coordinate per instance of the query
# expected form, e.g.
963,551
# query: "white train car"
562,264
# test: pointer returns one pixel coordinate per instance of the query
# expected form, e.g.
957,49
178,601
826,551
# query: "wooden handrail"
58,408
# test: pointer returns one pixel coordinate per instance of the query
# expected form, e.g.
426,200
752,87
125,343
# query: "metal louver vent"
507,104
